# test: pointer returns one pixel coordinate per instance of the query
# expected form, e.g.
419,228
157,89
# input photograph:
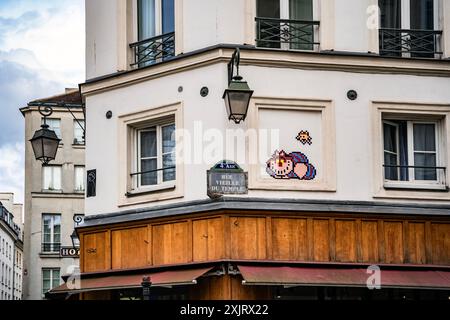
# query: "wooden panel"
345,240
248,238
393,241
208,239
440,238
321,240
129,248
289,241
170,243
416,243
96,251
243,292
369,241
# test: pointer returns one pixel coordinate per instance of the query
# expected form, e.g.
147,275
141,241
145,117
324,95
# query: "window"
51,232
155,17
411,154
156,25
51,177
156,155
79,178
409,28
50,279
286,24
55,125
78,134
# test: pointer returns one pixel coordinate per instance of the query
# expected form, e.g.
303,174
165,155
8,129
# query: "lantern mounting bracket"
235,61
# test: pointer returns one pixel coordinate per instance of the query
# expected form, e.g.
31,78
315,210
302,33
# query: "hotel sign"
226,177
69,252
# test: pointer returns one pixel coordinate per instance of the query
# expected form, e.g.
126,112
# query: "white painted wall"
6,262
353,122
101,37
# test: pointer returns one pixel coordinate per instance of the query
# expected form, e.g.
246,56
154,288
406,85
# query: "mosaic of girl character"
294,165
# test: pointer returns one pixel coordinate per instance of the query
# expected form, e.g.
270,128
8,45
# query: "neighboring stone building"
54,194
11,248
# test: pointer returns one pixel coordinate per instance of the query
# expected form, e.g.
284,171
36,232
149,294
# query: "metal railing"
413,43
52,247
286,33
424,170
153,50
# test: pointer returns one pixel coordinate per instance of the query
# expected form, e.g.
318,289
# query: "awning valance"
344,277
126,281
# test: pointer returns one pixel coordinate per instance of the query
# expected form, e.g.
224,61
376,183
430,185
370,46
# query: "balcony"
152,50
287,34
410,43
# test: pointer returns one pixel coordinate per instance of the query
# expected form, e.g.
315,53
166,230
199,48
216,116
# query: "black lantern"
75,239
237,95
45,142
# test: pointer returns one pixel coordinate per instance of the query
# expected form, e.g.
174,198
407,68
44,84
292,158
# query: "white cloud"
12,169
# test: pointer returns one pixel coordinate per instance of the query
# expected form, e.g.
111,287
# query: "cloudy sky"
41,53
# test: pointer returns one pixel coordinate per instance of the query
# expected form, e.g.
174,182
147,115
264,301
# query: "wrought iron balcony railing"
422,173
51,247
153,50
410,43
287,34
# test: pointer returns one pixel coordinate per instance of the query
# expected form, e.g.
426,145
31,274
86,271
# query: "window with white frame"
155,17
79,178
154,164
78,134
51,177
409,28
55,125
287,24
51,232
50,279
155,156
413,154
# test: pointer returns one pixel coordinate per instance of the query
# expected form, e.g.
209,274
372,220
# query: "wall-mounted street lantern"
237,96
45,142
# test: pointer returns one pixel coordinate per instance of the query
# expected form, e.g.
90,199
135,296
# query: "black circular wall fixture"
204,91
180,89
109,114
352,95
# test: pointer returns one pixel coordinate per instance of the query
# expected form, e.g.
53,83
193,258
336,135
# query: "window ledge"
78,145
153,189
50,255
419,187
51,191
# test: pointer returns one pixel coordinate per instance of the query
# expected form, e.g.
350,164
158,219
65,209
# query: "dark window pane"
148,144
425,160
390,137
168,16
168,138
390,13
422,15
424,137
302,35
169,161
268,9
150,178
391,173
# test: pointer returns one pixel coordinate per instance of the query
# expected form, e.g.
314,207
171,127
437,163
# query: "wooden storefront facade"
261,237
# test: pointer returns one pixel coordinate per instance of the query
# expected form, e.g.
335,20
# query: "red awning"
158,279
345,277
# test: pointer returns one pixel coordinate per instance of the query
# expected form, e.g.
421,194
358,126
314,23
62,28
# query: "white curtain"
146,12
79,178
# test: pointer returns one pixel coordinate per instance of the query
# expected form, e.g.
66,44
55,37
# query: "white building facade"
350,109
11,250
